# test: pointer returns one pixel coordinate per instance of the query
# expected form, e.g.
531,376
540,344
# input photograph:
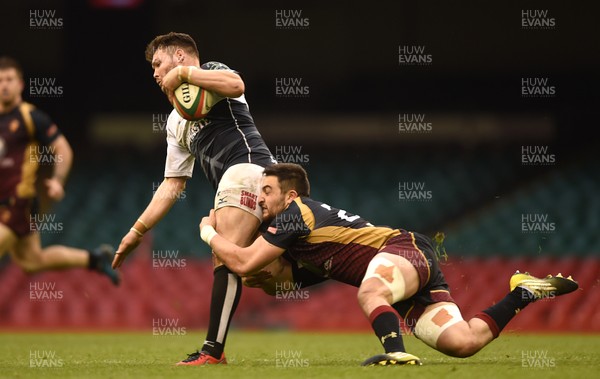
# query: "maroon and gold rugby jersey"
328,241
335,244
22,131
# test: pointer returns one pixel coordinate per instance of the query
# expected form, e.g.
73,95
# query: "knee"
360,296
462,347
30,260
31,265
369,291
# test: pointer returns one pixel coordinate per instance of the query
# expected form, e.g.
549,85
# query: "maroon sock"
499,314
386,324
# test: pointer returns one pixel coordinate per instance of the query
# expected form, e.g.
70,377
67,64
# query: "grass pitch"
286,355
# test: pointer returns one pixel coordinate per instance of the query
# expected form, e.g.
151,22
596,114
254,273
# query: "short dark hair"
8,62
172,40
290,176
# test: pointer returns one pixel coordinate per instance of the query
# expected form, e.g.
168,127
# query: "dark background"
348,55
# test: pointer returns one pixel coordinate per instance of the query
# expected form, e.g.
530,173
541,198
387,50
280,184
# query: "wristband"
207,234
179,73
143,223
137,232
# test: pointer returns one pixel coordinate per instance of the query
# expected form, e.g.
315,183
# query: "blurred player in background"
232,153
23,130
396,270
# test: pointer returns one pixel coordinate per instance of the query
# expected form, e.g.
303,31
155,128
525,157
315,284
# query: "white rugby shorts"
240,187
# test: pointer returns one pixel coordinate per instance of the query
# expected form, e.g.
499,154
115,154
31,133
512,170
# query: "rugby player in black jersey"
29,138
232,154
396,270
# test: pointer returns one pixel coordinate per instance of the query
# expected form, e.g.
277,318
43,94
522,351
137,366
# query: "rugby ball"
192,102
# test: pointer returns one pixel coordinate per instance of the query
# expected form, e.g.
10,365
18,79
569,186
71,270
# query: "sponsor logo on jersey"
248,199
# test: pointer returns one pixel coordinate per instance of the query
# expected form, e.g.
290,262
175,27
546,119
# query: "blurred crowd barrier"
167,295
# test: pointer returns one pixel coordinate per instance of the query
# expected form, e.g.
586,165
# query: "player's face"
272,199
162,63
11,87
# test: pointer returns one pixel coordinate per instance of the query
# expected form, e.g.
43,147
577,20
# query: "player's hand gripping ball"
192,102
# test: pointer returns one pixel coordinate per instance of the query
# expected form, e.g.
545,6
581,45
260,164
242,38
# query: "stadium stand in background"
477,199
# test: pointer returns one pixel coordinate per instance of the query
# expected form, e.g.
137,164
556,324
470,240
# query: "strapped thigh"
385,270
431,324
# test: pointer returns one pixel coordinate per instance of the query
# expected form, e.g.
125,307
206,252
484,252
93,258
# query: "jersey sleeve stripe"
25,110
26,187
237,126
414,243
307,215
372,236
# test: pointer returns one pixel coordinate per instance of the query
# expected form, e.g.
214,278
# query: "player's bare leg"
389,279
239,227
27,252
375,291
441,325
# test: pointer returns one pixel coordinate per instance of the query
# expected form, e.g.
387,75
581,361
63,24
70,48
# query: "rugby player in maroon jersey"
396,271
29,138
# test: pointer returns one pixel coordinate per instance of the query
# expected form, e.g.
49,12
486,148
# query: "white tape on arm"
207,234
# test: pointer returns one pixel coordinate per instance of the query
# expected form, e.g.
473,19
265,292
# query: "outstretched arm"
64,159
224,83
165,196
243,261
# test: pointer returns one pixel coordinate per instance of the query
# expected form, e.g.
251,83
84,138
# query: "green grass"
256,354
